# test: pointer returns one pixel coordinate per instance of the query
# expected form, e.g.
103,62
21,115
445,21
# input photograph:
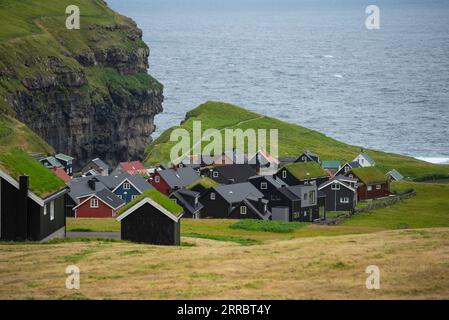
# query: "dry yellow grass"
414,264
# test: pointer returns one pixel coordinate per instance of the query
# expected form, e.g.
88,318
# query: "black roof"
235,193
236,172
181,195
179,177
100,163
109,198
274,181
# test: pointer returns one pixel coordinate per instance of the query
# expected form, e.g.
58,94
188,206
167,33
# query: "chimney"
91,184
22,210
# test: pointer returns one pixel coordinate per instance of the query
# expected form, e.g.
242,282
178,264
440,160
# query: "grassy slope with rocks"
293,140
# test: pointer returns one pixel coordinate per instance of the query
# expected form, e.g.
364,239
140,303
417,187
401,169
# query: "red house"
133,168
101,204
169,180
372,183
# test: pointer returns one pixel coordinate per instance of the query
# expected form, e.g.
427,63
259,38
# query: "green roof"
205,182
64,157
42,182
305,170
159,198
369,175
331,164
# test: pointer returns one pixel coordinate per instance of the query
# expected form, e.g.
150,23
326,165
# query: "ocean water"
308,62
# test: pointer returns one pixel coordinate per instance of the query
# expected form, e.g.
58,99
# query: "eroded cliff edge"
86,92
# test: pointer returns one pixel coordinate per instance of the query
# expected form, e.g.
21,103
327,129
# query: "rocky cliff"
86,92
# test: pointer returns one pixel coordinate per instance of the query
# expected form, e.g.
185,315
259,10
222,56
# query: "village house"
96,167
233,173
50,162
67,162
347,167
302,173
101,204
372,183
169,180
341,194
221,202
263,162
189,201
125,186
305,202
152,218
133,168
29,209
308,156
267,185
364,160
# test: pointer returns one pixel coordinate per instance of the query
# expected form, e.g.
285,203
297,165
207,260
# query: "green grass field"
293,140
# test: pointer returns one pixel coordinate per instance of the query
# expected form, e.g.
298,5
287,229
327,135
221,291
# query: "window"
215,174
243,210
133,197
370,188
52,210
126,186
312,196
305,196
284,174
304,159
346,169
196,201
175,201
94,203
378,187
157,179
212,196
335,186
362,161
351,176
344,200
45,209
119,196
263,185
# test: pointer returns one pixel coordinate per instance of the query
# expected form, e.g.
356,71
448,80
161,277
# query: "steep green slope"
293,140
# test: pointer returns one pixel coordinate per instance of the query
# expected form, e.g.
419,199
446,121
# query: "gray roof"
109,198
80,187
395,175
180,196
113,181
100,163
64,157
234,193
250,202
287,193
274,181
354,164
54,162
180,177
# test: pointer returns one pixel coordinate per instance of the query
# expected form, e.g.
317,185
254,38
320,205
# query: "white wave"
328,56
436,160
338,76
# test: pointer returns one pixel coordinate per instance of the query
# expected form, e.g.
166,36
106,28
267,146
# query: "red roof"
61,174
133,167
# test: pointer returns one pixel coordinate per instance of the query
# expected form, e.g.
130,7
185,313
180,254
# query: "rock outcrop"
90,100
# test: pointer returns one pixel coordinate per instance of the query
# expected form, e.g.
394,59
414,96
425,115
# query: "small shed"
152,218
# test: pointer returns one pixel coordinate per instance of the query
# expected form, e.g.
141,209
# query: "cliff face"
87,93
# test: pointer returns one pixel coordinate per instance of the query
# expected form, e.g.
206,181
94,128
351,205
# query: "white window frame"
243,210
157,179
215,174
344,200
346,169
133,197
126,186
378,187
212,196
335,186
94,203
263,185
45,209
369,188
284,174
52,211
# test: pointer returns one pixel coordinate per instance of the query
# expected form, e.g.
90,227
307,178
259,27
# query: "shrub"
267,225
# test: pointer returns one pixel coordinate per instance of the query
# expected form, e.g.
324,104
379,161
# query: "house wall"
162,186
126,194
85,211
250,214
218,208
333,199
149,225
38,225
364,194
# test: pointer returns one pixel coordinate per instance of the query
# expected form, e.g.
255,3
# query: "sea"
310,62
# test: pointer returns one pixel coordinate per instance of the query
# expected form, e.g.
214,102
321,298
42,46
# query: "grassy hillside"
293,140
14,133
